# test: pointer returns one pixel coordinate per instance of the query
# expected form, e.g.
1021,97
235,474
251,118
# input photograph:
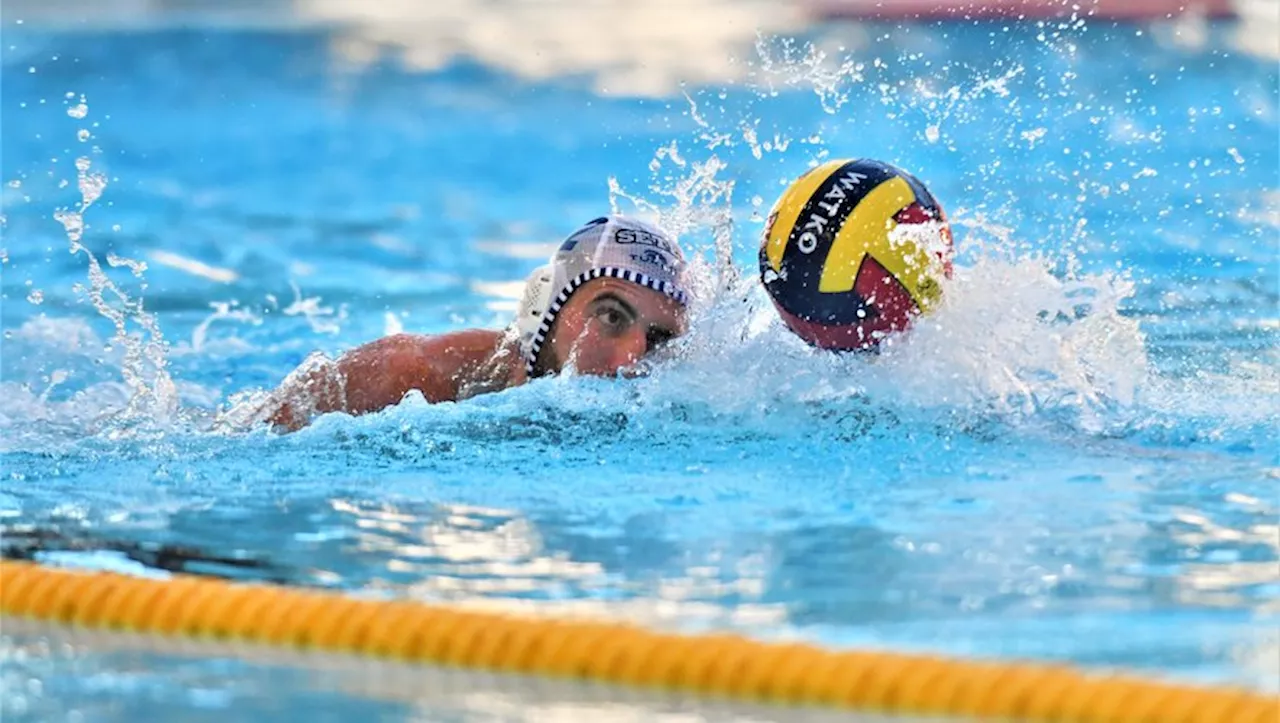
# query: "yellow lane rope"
721,665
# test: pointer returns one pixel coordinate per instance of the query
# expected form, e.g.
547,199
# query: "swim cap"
616,247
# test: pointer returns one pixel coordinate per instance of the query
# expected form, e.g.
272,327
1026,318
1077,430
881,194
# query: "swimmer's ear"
534,303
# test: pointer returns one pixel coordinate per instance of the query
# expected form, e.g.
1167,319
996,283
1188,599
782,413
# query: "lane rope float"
725,666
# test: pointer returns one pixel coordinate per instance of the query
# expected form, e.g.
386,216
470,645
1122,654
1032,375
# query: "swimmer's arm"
379,374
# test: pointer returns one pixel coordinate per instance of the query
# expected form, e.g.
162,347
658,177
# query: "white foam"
1010,339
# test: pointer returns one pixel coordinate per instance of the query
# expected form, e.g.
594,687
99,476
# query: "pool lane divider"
722,666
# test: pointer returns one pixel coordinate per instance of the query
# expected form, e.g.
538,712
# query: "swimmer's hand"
379,374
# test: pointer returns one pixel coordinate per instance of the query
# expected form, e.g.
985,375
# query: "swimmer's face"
608,325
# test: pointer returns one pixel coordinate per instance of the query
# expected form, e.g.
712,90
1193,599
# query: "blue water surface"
1073,461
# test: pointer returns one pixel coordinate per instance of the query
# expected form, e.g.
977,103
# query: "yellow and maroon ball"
853,251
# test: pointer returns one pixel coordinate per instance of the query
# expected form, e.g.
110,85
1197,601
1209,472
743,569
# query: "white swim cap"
611,246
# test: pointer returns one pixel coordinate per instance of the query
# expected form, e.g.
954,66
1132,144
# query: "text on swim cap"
642,237
652,257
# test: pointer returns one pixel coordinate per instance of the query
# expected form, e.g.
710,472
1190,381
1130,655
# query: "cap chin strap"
612,272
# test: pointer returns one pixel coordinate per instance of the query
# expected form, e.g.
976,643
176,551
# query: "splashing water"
222,311
1056,349
79,110
1021,336
153,402
783,61
322,319
940,105
688,198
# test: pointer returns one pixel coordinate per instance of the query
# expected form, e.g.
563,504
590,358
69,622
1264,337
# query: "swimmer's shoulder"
445,367
378,374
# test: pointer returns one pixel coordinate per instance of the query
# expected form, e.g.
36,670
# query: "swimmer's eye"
614,317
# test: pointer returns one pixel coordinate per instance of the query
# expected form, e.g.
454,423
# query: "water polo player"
612,293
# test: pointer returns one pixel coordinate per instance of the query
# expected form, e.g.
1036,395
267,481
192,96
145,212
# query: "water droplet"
36,296
932,133
91,186
757,201
83,135
78,110
15,183
32,69
115,227
72,222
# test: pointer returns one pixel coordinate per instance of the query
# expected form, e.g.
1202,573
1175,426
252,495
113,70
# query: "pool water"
1073,460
